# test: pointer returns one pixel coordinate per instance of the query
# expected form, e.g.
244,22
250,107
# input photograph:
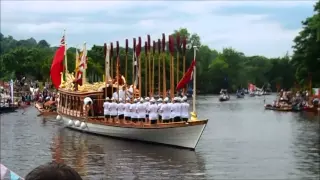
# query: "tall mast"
194,82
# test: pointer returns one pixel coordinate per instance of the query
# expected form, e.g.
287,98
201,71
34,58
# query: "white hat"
120,99
113,99
147,98
135,100
141,99
128,99
107,99
152,100
166,99
160,100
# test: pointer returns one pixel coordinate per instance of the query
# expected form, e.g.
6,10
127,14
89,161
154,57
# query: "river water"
241,141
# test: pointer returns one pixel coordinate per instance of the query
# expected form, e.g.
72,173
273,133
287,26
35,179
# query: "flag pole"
194,112
184,46
164,66
159,67
146,68
178,59
171,50
126,68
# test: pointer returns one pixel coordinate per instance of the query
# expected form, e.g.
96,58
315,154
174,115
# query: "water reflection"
96,157
241,141
306,145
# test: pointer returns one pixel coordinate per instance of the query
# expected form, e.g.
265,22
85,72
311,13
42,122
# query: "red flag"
57,65
187,77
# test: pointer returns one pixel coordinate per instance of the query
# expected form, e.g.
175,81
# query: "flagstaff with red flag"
57,64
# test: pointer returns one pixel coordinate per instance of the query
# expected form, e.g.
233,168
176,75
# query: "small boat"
286,108
311,109
7,109
43,111
239,95
224,96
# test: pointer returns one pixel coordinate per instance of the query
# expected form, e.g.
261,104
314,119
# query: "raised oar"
159,68
126,68
111,59
164,65
178,59
146,68
171,50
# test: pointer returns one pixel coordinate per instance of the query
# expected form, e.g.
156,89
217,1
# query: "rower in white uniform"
106,109
185,109
175,110
153,111
159,106
127,110
133,111
170,105
146,103
141,110
121,109
165,110
113,108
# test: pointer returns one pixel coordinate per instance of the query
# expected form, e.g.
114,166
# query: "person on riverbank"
53,171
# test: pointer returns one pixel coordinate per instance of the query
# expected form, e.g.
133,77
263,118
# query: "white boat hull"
184,137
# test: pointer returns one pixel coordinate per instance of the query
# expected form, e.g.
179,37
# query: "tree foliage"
215,70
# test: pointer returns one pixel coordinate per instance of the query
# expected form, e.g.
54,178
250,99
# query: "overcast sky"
253,27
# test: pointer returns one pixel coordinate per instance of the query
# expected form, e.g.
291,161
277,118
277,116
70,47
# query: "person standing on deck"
185,109
153,111
170,103
142,110
179,108
175,110
159,106
113,109
106,111
121,110
147,103
133,111
127,114
165,110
